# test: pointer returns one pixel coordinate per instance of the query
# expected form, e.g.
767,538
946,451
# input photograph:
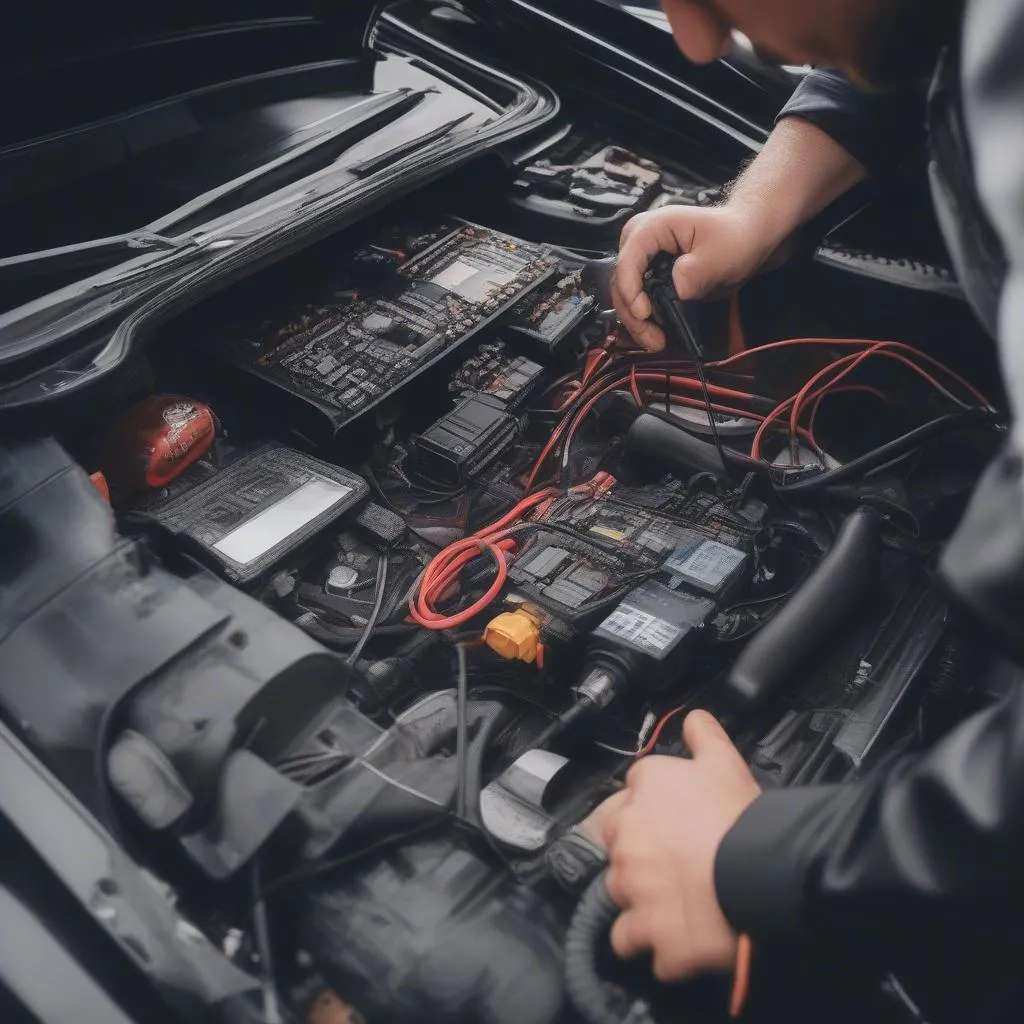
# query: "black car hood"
68,64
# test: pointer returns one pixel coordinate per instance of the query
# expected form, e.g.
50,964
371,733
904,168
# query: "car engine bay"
399,553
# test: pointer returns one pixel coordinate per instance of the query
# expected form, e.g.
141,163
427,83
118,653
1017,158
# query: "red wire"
867,389
795,404
445,567
604,382
594,358
854,361
847,342
637,397
848,363
646,378
663,721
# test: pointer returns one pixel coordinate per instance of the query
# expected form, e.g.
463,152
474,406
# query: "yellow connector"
514,635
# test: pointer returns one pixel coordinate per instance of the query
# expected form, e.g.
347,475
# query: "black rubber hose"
670,447
591,922
822,603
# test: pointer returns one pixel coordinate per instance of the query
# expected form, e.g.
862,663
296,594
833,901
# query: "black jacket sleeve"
917,870
880,130
922,866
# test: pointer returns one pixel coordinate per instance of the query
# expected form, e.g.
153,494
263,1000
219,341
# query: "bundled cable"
445,568
681,382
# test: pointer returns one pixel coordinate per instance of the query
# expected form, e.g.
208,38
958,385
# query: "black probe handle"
830,594
676,316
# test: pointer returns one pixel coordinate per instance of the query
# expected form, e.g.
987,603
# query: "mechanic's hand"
662,839
719,249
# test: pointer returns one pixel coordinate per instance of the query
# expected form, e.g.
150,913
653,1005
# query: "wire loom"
637,371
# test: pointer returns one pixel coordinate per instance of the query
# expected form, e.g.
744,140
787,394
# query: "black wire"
261,932
461,738
699,367
368,473
887,452
431,502
311,871
378,605
341,638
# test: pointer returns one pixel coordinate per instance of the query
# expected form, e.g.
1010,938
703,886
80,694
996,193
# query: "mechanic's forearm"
798,173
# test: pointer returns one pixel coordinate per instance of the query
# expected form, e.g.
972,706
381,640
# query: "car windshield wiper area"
339,132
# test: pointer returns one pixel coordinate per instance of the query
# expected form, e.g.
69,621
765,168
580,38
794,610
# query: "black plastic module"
464,441
572,578
651,634
249,516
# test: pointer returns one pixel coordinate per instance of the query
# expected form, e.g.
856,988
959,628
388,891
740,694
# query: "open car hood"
68,64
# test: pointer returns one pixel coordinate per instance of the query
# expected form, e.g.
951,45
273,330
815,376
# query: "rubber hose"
671,447
594,916
823,602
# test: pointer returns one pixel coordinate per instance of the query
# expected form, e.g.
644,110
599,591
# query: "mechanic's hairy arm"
800,171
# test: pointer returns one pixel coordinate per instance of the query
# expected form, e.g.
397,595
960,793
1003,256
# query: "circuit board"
347,354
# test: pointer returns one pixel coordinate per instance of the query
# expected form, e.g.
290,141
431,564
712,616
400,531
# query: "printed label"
640,628
709,563
607,531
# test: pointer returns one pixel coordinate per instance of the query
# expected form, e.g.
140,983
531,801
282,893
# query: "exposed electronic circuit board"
347,354
495,372
549,315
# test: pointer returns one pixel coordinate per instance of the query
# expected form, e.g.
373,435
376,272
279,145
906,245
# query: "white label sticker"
266,529
710,563
455,274
640,628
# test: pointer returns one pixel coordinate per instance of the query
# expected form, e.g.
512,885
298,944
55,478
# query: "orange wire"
741,976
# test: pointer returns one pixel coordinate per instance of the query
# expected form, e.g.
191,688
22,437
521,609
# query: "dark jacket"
921,868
